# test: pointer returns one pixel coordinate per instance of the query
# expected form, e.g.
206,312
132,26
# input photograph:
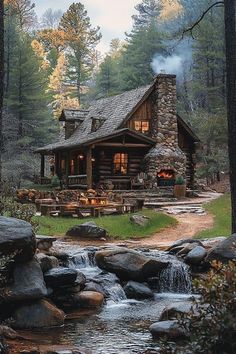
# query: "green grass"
118,226
221,210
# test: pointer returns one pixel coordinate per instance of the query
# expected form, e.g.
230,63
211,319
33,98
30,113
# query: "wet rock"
47,262
172,311
139,219
16,236
224,251
87,230
181,244
60,276
44,243
88,299
196,255
93,286
169,329
128,264
28,283
135,290
38,315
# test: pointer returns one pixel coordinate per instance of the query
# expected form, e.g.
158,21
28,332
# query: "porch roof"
93,140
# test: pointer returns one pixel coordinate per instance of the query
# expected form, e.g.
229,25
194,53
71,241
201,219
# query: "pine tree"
142,45
81,40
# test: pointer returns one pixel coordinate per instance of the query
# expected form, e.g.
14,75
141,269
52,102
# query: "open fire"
166,178
93,201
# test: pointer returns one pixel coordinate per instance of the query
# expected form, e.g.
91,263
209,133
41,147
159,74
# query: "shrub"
26,212
55,181
180,180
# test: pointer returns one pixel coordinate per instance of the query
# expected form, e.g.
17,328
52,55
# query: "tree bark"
230,38
1,80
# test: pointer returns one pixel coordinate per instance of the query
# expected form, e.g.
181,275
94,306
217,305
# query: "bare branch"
190,29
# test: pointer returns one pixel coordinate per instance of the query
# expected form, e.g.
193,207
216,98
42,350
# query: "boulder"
171,312
169,329
139,219
129,264
17,237
135,290
37,315
224,251
28,283
89,299
44,243
180,244
196,255
47,262
60,276
93,286
87,230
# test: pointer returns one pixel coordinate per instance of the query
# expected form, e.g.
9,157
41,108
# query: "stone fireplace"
165,160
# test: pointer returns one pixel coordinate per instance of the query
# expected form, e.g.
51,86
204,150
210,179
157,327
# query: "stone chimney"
166,155
164,119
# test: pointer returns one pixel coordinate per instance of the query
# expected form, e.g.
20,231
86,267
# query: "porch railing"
77,181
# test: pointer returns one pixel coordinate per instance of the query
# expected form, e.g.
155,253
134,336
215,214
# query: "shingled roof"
112,110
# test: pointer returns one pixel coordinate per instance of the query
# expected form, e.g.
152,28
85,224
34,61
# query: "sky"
112,16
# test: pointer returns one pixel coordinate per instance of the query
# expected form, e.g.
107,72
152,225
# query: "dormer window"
96,124
141,126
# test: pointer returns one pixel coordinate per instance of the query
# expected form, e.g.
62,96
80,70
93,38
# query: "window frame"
126,159
141,122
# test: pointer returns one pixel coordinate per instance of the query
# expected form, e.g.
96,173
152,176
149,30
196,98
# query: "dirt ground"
188,225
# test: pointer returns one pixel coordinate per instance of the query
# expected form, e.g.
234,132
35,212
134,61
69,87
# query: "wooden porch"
112,163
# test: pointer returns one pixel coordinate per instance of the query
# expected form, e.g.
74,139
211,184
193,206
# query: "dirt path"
188,226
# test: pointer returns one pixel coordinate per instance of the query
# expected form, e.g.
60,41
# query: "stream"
121,325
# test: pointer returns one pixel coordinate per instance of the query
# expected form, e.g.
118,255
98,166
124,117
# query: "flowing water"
121,326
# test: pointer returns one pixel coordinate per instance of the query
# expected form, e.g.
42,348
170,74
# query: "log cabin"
120,138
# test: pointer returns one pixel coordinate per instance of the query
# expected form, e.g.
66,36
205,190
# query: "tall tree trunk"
230,37
1,80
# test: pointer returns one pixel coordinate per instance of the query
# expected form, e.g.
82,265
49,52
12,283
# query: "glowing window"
120,164
141,126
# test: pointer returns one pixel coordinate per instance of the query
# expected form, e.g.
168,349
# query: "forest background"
53,63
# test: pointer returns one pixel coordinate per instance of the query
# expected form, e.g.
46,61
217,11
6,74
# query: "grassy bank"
221,210
118,226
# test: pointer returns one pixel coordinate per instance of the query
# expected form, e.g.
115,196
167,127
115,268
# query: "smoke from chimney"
168,65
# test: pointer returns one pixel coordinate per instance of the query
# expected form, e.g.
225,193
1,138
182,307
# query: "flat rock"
44,243
28,283
169,329
60,276
88,230
128,264
17,236
139,219
196,255
38,315
135,290
178,245
224,251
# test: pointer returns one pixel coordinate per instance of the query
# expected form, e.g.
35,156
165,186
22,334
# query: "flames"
93,201
166,174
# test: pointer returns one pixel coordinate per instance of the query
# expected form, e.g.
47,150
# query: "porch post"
67,168
89,168
42,166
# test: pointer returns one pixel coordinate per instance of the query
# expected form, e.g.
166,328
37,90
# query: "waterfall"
175,279
115,293
82,259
